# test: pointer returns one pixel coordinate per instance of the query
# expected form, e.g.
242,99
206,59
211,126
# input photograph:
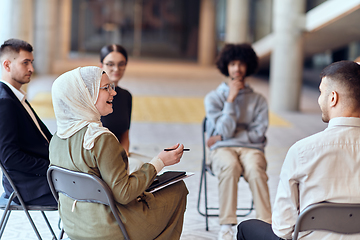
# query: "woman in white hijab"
81,143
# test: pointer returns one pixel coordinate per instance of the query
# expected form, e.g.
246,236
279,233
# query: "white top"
322,167
21,95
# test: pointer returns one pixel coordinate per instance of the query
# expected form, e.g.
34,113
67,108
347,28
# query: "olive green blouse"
107,160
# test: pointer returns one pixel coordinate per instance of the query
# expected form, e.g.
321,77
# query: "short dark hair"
243,52
15,45
347,74
112,48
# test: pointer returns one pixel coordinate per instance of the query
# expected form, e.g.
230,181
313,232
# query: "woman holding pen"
80,97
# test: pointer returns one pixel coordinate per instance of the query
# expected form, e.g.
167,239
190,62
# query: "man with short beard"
322,167
24,138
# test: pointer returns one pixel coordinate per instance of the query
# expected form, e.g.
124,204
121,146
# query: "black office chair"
83,187
9,205
206,168
343,218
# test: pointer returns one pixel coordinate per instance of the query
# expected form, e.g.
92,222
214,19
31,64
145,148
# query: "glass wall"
146,28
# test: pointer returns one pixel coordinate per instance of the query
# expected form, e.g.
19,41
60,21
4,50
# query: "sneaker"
226,235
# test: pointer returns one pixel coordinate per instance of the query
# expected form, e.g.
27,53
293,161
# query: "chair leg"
61,235
32,224
6,214
205,214
48,224
206,203
4,221
249,210
59,224
199,197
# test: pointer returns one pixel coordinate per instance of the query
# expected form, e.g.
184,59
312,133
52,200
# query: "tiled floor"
176,85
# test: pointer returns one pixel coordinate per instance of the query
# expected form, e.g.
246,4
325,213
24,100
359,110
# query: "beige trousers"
228,164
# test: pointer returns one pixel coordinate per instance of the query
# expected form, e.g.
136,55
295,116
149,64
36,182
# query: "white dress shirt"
322,167
21,95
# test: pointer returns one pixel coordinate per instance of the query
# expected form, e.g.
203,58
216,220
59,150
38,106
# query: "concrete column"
137,27
207,37
16,20
263,12
45,31
287,56
237,21
64,33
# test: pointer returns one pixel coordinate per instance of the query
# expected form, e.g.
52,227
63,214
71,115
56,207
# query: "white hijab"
74,95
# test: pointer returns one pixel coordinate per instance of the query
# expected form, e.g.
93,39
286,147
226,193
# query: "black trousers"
45,200
255,229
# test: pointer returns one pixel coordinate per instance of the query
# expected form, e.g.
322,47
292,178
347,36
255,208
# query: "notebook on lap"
166,179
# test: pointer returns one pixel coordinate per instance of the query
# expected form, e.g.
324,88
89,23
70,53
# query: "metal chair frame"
206,168
83,187
8,205
340,218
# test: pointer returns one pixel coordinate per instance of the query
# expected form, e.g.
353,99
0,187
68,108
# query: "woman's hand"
172,157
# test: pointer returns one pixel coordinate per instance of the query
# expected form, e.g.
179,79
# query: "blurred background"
173,45
294,39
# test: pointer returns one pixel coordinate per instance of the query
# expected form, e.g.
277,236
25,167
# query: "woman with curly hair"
237,119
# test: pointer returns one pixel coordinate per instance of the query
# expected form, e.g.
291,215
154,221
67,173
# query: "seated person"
81,143
24,138
237,119
322,167
113,60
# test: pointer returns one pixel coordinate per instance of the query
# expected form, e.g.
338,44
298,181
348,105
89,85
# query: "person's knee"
241,228
231,167
253,172
181,189
239,234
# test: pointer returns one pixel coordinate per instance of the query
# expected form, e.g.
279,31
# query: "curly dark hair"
243,52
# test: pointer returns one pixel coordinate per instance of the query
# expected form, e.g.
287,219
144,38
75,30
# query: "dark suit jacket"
24,151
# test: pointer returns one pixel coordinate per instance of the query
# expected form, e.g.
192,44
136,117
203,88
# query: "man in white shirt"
24,138
322,167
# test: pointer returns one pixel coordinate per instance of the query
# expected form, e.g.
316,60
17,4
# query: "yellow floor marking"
42,105
154,109
168,109
277,121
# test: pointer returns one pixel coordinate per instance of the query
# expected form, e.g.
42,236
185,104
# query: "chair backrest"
343,218
206,166
83,187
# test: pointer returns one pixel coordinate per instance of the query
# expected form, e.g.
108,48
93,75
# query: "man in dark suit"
24,138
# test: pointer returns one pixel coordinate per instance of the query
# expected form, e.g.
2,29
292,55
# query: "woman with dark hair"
113,60
237,119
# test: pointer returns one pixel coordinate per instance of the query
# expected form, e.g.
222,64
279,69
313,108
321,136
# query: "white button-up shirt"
322,167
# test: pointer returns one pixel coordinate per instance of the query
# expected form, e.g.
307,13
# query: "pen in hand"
170,149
